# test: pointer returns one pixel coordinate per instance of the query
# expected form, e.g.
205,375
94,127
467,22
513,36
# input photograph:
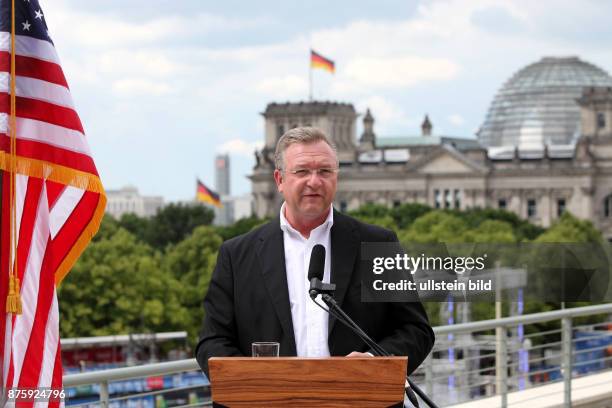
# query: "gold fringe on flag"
13,300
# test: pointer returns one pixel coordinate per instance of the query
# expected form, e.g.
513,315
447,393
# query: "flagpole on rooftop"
310,77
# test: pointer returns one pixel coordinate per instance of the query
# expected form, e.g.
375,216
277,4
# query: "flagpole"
310,77
13,300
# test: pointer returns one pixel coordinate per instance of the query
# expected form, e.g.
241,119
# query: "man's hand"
358,354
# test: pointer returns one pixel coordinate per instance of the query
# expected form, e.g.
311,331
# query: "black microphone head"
317,262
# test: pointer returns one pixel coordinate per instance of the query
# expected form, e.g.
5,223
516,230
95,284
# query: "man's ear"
278,178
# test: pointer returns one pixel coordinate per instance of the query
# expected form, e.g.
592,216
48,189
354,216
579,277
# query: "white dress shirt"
310,322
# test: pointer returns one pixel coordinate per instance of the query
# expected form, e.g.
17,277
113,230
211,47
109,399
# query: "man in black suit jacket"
248,298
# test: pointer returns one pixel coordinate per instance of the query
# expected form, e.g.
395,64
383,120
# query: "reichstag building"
545,147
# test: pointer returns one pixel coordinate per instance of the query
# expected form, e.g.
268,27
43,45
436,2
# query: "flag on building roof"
52,199
319,61
206,195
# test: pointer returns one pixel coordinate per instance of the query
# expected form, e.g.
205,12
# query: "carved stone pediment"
444,160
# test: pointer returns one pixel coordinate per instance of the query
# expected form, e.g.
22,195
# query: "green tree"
570,229
191,262
117,287
108,227
396,218
522,229
406,214
434,227
242,226
491,231
136,225
175,222
374,214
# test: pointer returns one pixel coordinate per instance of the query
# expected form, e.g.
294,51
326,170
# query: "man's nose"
314,179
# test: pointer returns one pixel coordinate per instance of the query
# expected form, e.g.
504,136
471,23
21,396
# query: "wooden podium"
307,382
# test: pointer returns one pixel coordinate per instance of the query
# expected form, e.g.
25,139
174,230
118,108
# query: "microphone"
317,263
315,272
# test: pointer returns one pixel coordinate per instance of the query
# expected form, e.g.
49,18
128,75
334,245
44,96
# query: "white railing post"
429,374
502,354
104,394
566,359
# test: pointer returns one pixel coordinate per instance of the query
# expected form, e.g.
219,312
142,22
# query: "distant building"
225,214
545,147
234,207
242,206
222,174
128,200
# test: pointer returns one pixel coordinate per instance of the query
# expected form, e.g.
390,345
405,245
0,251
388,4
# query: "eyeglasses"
323,172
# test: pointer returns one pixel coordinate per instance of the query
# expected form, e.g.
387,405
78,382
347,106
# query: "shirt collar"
325,225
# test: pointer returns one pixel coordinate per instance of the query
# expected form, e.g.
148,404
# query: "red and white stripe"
50,216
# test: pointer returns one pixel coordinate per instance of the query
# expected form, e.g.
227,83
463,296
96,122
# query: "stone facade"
445,172
128,200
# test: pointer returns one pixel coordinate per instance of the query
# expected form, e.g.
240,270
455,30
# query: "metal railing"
470,374
462,379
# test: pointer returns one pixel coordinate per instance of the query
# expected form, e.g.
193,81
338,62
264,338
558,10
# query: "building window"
560,206
396,203
343,206
601,120
608,206
457,199
502,204
448,199
437,199
280,130
531,208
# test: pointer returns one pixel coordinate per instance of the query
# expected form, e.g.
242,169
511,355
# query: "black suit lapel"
344,249
271,254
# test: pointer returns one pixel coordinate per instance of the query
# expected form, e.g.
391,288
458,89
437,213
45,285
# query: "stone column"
546,208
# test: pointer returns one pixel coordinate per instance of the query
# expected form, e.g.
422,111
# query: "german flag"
319,61
206,195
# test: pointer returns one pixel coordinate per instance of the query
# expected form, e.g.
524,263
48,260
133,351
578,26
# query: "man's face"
305,184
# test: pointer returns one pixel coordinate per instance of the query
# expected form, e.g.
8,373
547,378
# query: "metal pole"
503,380
310,83
566,357
499,332
104,394
429,374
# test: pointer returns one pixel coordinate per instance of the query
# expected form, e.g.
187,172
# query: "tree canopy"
151,274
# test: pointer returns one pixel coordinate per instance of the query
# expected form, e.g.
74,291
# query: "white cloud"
399,71
387,115
135,87
381,108
109,30
456,119
240,147
283,87
148,63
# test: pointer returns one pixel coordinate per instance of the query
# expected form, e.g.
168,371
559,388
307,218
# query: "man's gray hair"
303,135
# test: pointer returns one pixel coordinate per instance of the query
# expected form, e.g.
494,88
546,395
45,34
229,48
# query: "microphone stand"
336,311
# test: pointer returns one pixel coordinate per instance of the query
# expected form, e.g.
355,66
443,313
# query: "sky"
162,86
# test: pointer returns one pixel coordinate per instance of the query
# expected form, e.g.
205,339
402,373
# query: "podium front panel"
308,382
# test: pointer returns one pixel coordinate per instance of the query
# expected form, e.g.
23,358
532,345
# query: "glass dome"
538,104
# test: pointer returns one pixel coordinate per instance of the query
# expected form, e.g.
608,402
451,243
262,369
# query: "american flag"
59,199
